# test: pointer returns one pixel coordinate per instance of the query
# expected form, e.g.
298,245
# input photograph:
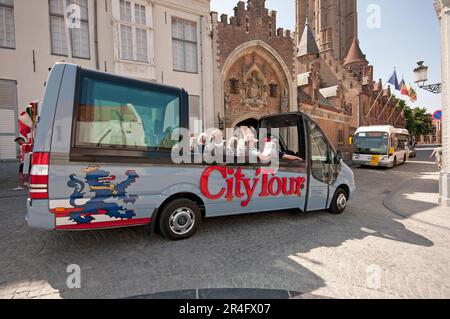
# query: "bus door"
286,187
323,167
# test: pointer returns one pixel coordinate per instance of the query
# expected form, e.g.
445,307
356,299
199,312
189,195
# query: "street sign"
438,115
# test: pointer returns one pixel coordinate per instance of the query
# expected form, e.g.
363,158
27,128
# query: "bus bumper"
382,163
38,215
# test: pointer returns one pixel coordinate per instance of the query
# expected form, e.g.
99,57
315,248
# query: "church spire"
355,54
307,44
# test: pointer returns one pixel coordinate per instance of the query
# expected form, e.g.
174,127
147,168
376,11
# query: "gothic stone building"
260,69
334,79
254,65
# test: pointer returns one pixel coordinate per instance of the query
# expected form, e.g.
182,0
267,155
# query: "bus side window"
319,153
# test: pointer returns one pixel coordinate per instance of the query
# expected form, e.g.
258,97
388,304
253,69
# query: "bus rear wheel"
180,219
339,202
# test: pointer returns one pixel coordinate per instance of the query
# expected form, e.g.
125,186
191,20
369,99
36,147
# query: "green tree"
418,121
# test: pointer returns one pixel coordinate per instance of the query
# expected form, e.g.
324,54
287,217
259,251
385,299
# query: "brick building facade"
254,66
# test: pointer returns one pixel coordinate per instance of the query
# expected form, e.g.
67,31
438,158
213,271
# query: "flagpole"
384,108
393,78
370,110
400,114
394,110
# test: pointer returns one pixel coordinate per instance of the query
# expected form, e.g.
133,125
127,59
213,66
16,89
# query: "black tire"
338,206
188,212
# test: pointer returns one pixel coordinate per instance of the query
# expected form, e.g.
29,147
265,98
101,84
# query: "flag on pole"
412,94
404,90
25,124
27,120
394,81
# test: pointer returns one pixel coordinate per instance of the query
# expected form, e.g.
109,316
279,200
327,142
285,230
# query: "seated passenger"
215,143
232,146
283,155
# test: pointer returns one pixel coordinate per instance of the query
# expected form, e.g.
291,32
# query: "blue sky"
408,32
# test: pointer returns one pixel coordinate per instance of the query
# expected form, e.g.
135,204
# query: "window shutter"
8,119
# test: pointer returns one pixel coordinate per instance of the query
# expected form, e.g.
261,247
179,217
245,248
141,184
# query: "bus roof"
382,128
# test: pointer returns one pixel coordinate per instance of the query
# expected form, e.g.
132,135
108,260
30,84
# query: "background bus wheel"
180,219
339,202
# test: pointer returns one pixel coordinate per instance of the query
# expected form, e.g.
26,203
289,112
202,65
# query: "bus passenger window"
123,116
286,141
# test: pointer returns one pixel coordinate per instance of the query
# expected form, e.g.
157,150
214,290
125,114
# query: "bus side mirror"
338,158
391,151
350,140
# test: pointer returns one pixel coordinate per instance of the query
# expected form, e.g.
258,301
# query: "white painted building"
443,12
165,41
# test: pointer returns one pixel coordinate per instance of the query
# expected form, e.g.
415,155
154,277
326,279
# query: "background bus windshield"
371,143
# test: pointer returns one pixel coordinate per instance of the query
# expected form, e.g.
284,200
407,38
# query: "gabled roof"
308,44
355,54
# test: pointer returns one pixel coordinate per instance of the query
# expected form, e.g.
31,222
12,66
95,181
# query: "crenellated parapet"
254,17
252,21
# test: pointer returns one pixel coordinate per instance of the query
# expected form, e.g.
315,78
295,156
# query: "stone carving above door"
255,93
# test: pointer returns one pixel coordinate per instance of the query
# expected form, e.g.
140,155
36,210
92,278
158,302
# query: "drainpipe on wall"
202,111
97,65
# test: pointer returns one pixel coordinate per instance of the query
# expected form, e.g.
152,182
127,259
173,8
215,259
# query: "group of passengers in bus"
243,144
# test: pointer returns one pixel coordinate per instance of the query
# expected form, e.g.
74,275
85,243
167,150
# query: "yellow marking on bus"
375,160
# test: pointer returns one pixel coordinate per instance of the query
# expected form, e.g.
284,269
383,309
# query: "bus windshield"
371,143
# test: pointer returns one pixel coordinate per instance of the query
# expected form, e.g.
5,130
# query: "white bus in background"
384,146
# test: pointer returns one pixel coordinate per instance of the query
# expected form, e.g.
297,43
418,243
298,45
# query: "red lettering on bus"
204,182
237,185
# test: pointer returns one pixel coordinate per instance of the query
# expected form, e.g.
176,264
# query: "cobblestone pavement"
368,252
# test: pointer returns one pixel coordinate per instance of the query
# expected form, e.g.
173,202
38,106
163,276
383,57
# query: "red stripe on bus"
122,223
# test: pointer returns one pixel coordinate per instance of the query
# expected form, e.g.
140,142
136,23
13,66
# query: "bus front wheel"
180,219
339,202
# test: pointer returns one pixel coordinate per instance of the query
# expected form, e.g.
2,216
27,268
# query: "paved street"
369,252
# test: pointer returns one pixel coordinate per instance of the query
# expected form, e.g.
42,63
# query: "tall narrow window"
184,45
58,28
340,136
7,36
273,88
133,32
79,36
234,86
